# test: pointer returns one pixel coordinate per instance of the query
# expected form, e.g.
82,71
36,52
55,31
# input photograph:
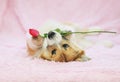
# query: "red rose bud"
34,32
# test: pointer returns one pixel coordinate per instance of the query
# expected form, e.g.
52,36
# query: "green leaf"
45,35
58,30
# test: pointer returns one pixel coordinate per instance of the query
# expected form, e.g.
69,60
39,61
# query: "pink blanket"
16,16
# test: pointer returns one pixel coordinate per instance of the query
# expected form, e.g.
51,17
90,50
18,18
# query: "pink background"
16,16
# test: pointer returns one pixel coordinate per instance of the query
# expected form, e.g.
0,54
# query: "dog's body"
55,48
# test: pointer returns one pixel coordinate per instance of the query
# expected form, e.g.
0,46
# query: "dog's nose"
51,35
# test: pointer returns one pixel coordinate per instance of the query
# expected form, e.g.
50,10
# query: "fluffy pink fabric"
16,16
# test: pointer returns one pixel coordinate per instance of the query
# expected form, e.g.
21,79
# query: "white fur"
30,43
45,44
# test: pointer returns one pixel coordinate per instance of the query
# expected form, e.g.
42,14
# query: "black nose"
51,35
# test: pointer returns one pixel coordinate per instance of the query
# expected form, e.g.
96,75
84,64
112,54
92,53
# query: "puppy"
55,48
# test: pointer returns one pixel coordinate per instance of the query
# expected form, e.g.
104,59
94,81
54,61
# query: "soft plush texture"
16,16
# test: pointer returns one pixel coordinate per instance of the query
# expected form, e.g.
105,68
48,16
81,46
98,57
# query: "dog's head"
66,51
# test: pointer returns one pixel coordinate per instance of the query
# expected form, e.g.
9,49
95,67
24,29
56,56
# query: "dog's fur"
58,48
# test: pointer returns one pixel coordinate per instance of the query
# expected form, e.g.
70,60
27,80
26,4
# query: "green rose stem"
67,33
94,32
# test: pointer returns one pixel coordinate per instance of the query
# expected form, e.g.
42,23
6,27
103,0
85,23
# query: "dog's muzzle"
54,38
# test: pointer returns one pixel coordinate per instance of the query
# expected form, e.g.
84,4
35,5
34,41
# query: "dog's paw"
83,58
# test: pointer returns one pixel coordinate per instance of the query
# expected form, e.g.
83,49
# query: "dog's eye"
65,46
53,52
